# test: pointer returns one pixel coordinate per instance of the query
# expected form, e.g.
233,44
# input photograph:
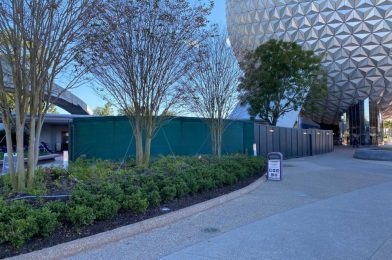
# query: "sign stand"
275,166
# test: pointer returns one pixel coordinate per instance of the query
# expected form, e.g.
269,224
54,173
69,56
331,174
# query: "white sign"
274,170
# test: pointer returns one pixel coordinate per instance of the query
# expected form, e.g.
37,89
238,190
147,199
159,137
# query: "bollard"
65,159
254,150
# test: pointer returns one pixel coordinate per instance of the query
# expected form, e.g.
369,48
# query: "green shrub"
206,184
106,208
103,190
57,172
154,198
17,223
170,165
168,193
151,191
58,207
105,199
191,181
47,221
136,202
5,185
39,186
111,190
18,231
181,187
82,196
149,185
91,171
79,215
20,221
230,178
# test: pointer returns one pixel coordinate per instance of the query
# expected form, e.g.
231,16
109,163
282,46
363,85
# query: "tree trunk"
10,151
138,142
147,142
219,138
31,153
20,156
147,150
37,140
213,137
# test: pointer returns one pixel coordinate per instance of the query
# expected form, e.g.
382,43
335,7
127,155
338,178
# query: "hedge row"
104,188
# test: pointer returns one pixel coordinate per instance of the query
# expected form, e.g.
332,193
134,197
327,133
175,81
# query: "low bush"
80,215
105,208
104,188
20,222
154,198
60,208
168,193
136,202
46,220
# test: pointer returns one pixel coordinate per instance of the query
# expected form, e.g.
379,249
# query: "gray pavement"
55,163
327,207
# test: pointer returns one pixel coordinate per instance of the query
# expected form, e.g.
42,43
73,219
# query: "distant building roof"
57,119
61,97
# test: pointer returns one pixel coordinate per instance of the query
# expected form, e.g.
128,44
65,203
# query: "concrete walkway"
327,207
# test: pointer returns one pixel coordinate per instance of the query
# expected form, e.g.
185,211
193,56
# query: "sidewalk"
327,207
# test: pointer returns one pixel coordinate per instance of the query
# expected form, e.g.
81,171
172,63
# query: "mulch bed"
68,233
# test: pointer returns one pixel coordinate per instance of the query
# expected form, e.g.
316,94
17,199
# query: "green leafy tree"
106,110
388,124
281,77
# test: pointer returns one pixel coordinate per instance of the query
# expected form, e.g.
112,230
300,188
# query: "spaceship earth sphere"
354,37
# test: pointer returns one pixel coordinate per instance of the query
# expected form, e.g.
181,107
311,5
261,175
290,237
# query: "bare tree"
6,106
140,50
39,41
212,86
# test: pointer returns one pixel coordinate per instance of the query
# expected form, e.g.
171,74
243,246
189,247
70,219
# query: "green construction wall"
111,138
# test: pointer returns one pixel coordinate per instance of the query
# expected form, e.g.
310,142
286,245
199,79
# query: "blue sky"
85,92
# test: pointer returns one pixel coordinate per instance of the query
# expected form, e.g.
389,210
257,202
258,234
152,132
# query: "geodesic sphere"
355,37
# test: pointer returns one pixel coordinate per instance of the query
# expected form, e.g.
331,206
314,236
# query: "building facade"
354,37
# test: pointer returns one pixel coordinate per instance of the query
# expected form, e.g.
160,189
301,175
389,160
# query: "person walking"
355,144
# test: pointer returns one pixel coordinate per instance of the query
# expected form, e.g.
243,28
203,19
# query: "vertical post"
65,159
254,150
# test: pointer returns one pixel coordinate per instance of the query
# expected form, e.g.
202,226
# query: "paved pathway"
327,207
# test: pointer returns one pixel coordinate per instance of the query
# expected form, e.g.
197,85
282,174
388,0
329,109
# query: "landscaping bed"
107,195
